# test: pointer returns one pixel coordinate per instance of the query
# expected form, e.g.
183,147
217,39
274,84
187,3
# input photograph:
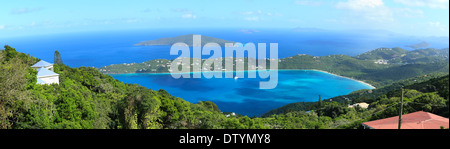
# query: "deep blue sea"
97,49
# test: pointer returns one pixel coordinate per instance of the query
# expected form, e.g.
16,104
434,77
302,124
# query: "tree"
14,97
10,52
430,102
320,101
57,58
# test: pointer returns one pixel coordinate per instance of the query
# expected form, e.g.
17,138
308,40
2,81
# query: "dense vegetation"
163,65
87,98
370,95
430,95
400,64
153,66
383,53
401,56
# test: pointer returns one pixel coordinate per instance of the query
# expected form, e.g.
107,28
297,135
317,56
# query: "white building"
45,74
43,64
381,61
361,105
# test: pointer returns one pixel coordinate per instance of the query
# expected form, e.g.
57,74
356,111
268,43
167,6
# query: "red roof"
416,120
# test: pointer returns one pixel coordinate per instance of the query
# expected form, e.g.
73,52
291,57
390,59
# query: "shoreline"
370,85
365,83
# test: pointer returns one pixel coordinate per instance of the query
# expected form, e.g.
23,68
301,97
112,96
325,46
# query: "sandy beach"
346,78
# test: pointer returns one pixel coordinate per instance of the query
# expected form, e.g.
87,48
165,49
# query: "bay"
243,95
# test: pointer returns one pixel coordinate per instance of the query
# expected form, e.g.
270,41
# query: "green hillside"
89,99
371,95
382,53
153,66
396,73
424,93
426,56
401,56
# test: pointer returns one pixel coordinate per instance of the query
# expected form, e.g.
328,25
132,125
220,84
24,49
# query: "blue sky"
408,17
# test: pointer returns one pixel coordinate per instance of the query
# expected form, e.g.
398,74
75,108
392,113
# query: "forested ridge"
428,94
89,99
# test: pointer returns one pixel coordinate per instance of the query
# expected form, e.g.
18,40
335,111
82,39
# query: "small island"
188,39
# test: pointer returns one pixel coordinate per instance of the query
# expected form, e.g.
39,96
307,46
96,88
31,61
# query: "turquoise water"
243,95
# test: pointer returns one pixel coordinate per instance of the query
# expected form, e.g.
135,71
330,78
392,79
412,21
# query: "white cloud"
258,15
434,24
258,12
370,10
248,31
409,13
188,16
182,10
252,18
360,4
315,3
33,24
437,25
443,4
25,10
2,26
247,13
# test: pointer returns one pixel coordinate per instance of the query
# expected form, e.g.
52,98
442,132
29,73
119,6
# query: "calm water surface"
243,95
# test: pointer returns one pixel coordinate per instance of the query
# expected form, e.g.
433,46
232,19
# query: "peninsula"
188,39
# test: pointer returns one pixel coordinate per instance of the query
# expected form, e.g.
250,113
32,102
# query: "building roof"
362,105
40,81
416,120
42,63
45,72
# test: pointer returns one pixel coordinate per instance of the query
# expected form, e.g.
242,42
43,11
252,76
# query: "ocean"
97,49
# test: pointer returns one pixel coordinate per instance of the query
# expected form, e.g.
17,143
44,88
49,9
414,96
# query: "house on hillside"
361,105
45,73
416,120
43,64
381,61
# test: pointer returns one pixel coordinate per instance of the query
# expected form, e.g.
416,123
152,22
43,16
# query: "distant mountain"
426,55
423,44
188,39
382,53
401,56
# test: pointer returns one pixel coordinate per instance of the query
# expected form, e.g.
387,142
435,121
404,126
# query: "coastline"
370,85
365,83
